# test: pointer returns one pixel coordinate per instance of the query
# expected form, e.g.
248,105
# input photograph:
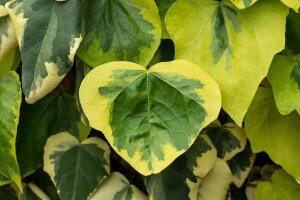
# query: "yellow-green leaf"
150,117
241,4
234,46
10,101
294,4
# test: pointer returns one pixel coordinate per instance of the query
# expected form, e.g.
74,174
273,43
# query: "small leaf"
11,62
181,180
216,183
33,192
282,186
241,4
76,169
276,134
150,117
117,187
41,120
241,164
294,4
228,139
234,46
10,101
47,51
284,76
128,30
163,7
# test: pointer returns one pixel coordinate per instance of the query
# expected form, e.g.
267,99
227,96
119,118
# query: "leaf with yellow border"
150,117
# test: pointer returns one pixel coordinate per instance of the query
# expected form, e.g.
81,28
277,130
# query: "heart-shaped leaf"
284,76
276,134
150,117
47,51
234,46
120,30
10,101
76,169
117,187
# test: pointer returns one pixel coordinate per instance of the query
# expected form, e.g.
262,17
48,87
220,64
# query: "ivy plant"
149,99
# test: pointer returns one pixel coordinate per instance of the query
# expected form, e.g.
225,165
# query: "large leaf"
8,40
228,139
54,113
117,187
76,169
181,180
215,185
120,30
234,46
49,33
282,186
284,76
150,117
276,134
10,101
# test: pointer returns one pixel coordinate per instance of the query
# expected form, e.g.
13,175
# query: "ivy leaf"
241,4
120,30
117,187
163,7
284,76
181,180
150,117
33,192
241,164
228,139
216,183
233,46
10,101
276,134
10,62
76,169
41,120
47,54
281,186
8,40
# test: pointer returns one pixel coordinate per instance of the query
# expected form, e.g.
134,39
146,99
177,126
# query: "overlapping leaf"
181,180
54,113
294,4
8,39
292,32
163,7
228,139
33,192
234,46
284,76
120,30
117,187
276,134
10,62
76,169
150,117
10,101
282,186
49,33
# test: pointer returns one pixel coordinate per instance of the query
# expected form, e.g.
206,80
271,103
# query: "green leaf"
163,7
276,134
47,51
8,40
117,187
234,46
150,117
294,4
11,62
293,32
42,179
33,192
241,4
7,192
282,186
284,76
216,183
10,101
76,169
241,164
54,113
181,180
228,139
120,30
